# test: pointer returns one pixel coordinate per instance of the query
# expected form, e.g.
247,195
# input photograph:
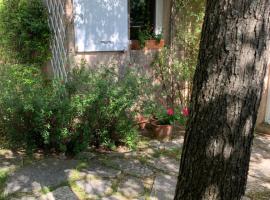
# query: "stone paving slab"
49,172
99,176
131,187
115,197
95,187
98,170
165,164
164,187
121,197
63,193
26,198
258,183
9,160
132,167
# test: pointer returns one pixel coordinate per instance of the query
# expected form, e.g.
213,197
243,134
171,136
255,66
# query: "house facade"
105,32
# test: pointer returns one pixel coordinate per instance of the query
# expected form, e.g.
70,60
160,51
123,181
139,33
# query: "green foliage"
105,98
189,15
174,67
142,18
170,116
148,34
24,32
174,153
172,76
3,178
34,114
93,107
144,35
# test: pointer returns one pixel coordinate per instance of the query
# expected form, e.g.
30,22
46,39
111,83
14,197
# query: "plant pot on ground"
160,131
162,125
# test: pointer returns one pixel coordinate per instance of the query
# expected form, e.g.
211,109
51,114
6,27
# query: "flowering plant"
170,116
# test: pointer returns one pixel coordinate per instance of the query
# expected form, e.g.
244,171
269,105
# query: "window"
146,17
103,25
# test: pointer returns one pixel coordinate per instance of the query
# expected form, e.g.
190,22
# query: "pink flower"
170,111
185,111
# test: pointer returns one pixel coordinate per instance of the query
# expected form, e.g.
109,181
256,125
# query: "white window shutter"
101,25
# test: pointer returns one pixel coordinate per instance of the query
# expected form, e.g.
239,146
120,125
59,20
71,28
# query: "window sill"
149,45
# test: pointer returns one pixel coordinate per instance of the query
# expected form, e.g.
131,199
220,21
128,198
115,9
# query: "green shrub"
34,113
24,32
93,107
105,99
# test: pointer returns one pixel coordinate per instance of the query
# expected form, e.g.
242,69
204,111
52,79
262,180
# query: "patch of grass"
74,176
147,190
115,185
143,142
143,159
174,153
262,195
82,165
46,190
147,195
4,173
80,193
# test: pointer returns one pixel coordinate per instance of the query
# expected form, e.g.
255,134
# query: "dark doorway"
142,17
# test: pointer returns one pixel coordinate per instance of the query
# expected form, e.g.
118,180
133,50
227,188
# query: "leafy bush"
93,107
105,98
24,32
34,113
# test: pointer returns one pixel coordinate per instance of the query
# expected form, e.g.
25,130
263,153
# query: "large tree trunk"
233,58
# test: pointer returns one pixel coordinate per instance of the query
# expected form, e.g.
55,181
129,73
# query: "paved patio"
148,173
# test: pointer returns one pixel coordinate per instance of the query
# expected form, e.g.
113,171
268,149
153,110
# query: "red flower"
170,111
185,111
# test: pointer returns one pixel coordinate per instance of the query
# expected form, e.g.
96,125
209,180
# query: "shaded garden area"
101,106
150,172
94,134
116,131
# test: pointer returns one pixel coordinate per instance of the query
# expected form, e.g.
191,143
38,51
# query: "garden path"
150,172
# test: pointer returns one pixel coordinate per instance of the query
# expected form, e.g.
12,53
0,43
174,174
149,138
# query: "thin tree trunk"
234,55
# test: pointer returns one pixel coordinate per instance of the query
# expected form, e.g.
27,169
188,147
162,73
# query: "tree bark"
234,54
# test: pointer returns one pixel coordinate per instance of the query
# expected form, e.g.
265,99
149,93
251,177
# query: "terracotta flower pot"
160,132
149,45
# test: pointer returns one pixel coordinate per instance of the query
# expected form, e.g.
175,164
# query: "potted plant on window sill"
147,41
150,44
